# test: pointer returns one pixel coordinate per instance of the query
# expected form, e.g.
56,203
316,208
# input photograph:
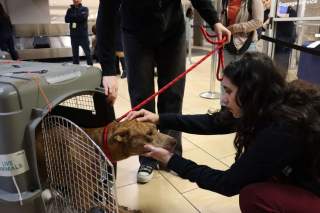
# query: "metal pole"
214,65
189,46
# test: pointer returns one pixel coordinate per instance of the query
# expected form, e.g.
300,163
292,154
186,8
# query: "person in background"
6,34
77,16
242,18
152,31
285,31
119,48
277,125
189,21
94,49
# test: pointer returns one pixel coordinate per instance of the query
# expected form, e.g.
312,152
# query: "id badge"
74,25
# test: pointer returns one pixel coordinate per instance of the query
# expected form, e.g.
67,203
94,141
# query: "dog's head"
129,137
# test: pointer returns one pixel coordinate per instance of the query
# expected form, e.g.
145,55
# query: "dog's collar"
105,143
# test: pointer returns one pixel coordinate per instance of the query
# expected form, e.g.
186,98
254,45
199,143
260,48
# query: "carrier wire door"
77,168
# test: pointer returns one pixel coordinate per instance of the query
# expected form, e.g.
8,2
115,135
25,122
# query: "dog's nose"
173,141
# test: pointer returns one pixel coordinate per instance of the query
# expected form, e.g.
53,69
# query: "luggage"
41,42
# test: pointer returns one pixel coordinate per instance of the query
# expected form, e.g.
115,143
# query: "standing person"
277,125
119,48
6,34
285,32
242,18
77,16
152,31
94,49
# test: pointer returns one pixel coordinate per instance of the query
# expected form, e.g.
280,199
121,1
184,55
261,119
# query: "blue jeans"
82,41
170,57
228,58
6,44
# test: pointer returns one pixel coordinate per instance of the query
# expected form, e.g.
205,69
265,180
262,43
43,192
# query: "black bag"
230,47
41,42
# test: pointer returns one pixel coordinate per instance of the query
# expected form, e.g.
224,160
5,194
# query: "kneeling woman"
277,167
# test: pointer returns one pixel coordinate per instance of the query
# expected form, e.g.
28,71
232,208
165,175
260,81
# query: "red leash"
206,35
11,62
105,142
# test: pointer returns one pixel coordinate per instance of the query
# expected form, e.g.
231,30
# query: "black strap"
290,45
224,10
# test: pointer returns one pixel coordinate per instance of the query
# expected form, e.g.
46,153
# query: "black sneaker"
145,174
124,74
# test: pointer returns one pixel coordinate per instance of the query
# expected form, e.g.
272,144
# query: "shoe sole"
143,179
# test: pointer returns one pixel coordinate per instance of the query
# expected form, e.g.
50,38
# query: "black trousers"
82,41
170,58
7,44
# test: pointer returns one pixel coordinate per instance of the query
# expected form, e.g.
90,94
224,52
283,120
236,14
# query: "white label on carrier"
62,76
13,164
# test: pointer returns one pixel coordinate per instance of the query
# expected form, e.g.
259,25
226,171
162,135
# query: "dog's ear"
122,134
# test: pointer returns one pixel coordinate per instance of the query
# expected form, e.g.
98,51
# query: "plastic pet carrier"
79,175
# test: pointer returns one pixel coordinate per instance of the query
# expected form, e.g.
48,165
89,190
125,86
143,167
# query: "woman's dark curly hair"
264,95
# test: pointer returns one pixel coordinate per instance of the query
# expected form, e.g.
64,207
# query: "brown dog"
124,139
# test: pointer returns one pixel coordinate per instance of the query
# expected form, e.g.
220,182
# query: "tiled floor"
166,192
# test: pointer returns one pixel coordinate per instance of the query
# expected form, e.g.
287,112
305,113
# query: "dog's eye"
149,133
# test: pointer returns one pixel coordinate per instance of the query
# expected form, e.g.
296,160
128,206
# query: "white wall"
28,11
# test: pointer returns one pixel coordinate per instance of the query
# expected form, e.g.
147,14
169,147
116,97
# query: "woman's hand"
111,88
145,116
159,154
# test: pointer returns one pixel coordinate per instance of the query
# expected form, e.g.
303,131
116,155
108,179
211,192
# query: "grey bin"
22,108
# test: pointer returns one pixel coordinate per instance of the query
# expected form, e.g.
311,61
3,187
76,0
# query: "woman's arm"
265,23
256,20
193,124
272,151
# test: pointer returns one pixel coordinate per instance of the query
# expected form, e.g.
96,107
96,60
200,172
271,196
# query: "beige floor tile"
157,196
119,111
228,160
187,135
210,202
186,112
201,158
219,146
127,171
187,145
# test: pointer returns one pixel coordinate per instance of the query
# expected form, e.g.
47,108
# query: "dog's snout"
173,141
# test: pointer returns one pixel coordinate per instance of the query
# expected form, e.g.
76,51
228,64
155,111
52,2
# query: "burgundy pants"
277,197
